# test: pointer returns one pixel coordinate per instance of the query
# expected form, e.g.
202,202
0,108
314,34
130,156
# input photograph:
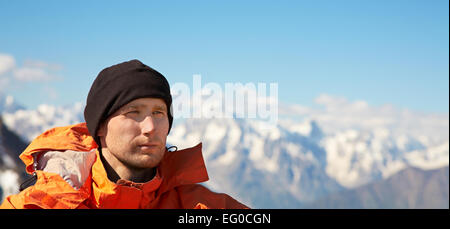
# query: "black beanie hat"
118,85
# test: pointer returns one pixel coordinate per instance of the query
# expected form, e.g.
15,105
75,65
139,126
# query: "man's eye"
157,113
132,112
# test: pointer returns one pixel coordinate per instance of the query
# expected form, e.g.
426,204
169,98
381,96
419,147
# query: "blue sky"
382,52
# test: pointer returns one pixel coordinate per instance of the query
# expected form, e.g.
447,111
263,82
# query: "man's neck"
116,170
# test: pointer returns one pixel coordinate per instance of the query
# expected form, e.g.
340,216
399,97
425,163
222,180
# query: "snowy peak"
356,157
308,128
30,123
299,156
8,104
278,160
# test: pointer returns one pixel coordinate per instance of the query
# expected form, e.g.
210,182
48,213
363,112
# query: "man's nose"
147,125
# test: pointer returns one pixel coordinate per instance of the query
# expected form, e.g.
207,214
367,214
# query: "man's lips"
148,145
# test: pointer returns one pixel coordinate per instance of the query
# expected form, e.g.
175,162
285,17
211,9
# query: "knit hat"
118,85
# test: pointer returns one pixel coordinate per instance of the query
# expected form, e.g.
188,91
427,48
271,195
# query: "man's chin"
146,161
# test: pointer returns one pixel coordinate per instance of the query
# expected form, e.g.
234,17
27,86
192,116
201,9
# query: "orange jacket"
174,186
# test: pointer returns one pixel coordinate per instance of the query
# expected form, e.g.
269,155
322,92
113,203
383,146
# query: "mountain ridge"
12,170
410,188
289,165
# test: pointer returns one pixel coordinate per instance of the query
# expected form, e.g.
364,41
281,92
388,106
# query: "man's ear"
101,134
101,130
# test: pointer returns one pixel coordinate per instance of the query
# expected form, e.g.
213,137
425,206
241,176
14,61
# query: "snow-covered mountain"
12,171
30,123
411,188
309,154
286,168
263,168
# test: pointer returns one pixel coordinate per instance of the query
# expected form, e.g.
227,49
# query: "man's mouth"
148,146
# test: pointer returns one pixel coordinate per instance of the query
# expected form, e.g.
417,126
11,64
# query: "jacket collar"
183,167
176,168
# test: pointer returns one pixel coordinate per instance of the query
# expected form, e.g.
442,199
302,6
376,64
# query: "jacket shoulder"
74,137
199,196
13,201
51,191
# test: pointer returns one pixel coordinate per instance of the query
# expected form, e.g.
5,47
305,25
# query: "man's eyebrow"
159,107
136,106
131,106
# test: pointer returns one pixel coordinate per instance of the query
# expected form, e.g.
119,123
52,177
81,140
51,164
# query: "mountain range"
312,158
409,188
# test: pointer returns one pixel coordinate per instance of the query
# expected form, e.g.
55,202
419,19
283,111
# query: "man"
118,158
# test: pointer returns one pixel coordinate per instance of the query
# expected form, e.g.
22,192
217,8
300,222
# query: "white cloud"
26,74
51,93
13,75
4,83
341,104
42,65
30,71
7,63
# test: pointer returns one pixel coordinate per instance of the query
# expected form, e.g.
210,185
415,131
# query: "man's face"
136,133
